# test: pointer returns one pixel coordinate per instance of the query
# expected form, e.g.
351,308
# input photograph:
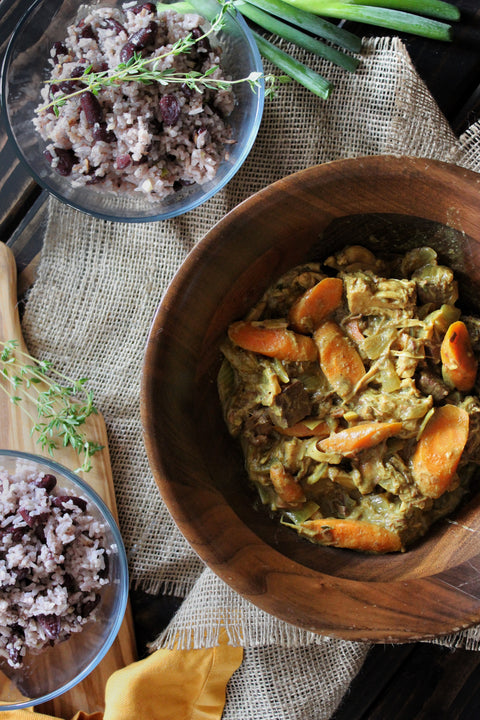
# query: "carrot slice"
353,331
354,439
439,449
315,305
277,342
285,486
352,534
339,360
459,364
300,429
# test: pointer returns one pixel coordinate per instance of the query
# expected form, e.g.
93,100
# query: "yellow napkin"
167,685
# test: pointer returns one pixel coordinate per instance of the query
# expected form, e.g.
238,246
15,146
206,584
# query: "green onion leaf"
309,22
297,37
293,68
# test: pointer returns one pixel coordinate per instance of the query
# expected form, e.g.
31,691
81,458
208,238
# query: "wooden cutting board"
15,435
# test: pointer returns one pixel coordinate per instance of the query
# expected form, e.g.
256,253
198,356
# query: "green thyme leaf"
62,405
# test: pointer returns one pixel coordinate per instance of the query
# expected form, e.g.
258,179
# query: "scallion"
386,17
283,17
432,8
293,68
295,36
311,23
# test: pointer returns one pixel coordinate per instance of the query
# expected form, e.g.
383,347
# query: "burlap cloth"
90,310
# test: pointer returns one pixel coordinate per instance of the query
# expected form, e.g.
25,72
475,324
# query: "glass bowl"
26,67
46,674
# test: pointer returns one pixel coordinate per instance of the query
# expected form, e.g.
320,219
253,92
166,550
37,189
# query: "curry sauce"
352,388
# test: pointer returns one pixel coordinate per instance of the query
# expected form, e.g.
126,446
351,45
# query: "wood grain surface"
398,682
389,203
15,435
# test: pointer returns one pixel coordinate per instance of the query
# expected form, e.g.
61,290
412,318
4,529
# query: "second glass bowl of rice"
131,152
63,580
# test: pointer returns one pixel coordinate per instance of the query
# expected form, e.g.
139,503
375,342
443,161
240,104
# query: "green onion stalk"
295,36
390,14
302,23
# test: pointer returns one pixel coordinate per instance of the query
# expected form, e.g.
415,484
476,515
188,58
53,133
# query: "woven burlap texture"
97,289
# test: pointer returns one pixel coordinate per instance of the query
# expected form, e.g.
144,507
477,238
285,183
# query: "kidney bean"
17,534
155,126
40,533
179,184
34,520
27,517
70,583
17,630
123,161
60,501
47,482
127,51
112,24
51,624
87,32
187,91
78,71
69,86
40,519
138,41
202,44
143,37
86,608
66,161
92,108
148,7
24,574
58,49
104,572
169,109
100,132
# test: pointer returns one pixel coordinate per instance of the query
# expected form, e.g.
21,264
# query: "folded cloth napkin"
168,685
97,288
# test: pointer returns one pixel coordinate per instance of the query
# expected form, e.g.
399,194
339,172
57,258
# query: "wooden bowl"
384,203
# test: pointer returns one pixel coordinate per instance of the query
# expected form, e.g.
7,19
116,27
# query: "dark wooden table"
417,681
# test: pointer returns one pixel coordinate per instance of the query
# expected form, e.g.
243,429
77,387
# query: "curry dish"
352,389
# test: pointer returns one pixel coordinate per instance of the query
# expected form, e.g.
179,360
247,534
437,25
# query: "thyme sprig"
146,70
60,412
